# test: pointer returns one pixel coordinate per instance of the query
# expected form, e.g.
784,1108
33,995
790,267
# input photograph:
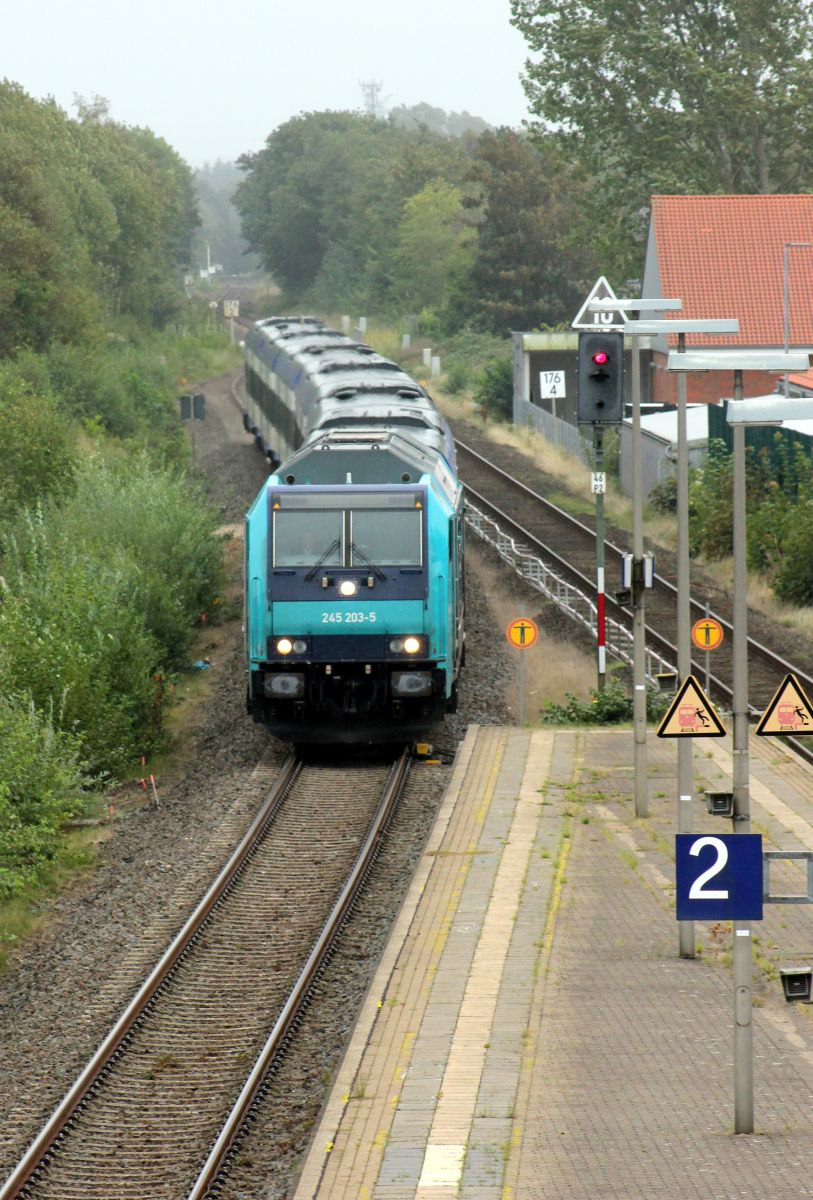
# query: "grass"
25,915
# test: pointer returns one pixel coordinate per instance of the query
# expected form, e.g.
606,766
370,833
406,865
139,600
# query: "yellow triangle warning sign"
691,714
789,711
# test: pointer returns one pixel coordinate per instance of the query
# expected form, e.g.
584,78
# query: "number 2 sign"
719,878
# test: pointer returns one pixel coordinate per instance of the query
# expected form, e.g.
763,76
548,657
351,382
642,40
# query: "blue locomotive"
354,547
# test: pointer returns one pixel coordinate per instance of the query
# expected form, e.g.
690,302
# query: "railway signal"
601,379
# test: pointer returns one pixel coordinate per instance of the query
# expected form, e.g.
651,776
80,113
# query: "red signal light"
601,357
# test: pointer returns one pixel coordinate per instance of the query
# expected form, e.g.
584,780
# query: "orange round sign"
522,633
707,634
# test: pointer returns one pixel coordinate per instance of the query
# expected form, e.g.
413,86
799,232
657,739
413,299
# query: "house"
749,257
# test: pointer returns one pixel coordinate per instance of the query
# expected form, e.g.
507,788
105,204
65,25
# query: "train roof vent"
409,393
383,365
346,393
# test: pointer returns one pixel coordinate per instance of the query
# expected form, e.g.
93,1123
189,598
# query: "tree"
707,97
434,246
426,116
530,267
320,202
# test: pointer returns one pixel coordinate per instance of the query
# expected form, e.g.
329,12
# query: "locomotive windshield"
303,539
388,539
356,530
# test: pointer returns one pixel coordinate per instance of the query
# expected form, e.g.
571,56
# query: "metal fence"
567,597
560,433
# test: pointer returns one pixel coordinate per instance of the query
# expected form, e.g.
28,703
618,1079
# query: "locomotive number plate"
348,618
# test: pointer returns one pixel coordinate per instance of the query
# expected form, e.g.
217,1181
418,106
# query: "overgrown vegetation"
107,547
609,706
779,508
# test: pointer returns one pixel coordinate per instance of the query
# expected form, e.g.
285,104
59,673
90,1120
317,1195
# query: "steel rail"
252,1089
698,608
556,582
797,743
40,1148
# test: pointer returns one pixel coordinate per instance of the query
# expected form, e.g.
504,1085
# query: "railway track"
569,545
159,1109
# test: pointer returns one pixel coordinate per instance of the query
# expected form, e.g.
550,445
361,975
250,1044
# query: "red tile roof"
803,379
724,257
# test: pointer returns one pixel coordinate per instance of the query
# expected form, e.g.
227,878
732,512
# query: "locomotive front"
351,610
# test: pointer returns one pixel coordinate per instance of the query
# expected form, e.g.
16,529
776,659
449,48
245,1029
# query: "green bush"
41,785
610,706
458,377
39,445
72,629
127,390
101,593
161,519
710,503
494,391
663,496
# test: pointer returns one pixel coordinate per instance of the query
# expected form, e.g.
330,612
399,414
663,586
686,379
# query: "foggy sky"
214,80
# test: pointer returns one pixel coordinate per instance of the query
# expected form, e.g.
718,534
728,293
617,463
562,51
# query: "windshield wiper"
334,545
366,558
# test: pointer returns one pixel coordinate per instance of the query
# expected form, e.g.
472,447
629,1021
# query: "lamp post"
741,412
788,246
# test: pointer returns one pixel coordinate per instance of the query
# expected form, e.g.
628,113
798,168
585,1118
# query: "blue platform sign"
719,877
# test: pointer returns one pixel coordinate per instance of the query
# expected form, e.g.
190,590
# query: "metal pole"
785,309
601,628
743,969
742,802
786,249
521,654
638,612
743,1031
686,933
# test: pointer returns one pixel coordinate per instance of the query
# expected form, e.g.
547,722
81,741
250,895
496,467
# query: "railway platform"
532,1032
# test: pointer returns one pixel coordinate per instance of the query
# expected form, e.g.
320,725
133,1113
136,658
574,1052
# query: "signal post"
600,403
602,307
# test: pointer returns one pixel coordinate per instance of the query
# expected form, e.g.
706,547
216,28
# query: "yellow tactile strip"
445,1153
404,1099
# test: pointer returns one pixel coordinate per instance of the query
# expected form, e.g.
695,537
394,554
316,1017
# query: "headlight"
348,587
286,646
406,645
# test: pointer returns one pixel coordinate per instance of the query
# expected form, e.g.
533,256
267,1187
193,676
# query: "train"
354,547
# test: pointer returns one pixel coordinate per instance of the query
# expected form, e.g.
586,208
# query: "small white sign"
231,308
585,319
598,483
552,385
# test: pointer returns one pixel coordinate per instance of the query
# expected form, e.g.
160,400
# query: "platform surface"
532,1032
